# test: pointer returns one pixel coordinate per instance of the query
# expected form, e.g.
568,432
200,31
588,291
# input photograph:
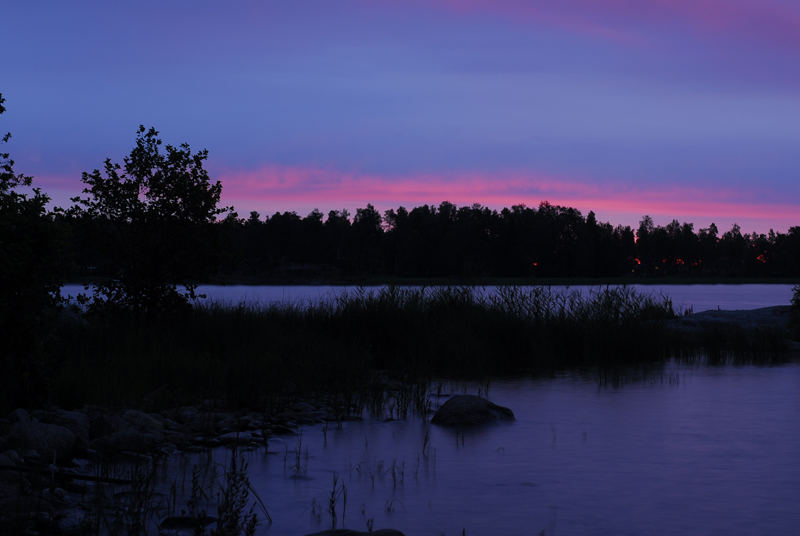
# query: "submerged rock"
348,532
470,409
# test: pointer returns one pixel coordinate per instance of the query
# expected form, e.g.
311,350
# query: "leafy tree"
30,281
155,211
29,266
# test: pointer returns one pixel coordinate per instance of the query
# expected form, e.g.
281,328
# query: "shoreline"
111,446
147,388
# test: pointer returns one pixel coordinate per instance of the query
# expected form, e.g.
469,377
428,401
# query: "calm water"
697,297
703,451
688,451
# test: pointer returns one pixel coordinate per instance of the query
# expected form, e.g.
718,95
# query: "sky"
679,109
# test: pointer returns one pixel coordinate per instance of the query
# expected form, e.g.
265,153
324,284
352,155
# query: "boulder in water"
469,410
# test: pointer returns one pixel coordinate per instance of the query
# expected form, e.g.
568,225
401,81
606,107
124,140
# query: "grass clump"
247,356
254,357
233,515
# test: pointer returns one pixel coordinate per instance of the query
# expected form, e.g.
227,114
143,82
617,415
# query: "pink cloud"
631,21
544,13
302,188
286,188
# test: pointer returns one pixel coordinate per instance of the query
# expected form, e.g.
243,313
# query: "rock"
238,439
76,422
127,441
776,317
348,532
143,422
71,520
193,419
19,415
767,328
468,410
10,458
186,414
133,431
281,429
47,439
101,424
184,523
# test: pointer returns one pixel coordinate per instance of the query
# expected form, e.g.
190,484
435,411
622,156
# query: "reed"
245,356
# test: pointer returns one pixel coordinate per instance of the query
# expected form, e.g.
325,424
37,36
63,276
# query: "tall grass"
248,356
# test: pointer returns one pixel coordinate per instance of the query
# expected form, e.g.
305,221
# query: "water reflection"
666,450
695,297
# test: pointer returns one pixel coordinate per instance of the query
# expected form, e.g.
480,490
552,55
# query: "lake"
680,451
677,450
697,297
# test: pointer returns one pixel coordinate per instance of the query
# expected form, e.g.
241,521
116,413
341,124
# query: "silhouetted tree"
447,241
30,265
31,272
366,244
155,211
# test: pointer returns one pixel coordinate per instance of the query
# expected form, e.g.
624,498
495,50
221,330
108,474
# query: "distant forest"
451,242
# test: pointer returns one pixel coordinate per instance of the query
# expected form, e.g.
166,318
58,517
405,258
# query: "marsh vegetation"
245,356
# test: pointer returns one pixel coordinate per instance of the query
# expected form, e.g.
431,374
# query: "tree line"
452,242
146,231
448,241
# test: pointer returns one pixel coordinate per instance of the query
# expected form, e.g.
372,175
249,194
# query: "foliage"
29,275
31,269
152,216
794,321
474,243
233,516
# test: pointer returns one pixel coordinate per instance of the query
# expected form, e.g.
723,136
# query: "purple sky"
686,109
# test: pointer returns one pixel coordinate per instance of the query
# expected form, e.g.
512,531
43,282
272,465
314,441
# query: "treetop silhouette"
153,209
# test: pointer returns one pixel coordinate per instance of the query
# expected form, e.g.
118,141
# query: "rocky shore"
773,321
49,457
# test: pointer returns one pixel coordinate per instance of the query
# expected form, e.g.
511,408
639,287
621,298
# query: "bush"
31,270
154,213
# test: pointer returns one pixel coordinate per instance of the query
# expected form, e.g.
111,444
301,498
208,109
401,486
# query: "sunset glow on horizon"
678,110
269,190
